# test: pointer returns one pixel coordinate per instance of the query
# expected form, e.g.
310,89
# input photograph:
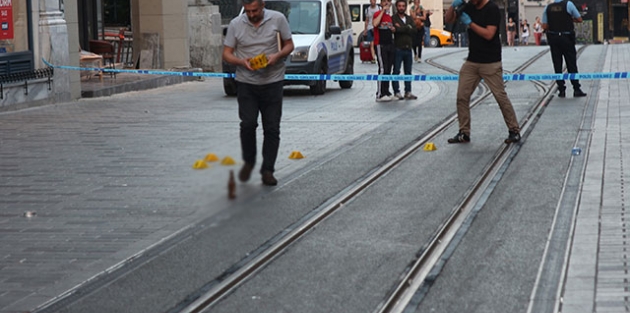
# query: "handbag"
416,19
419,22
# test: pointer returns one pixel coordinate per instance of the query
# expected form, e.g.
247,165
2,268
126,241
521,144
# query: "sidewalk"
93,87
598,278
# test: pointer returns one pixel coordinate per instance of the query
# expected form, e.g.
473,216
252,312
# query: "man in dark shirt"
403,41
482,18
558,19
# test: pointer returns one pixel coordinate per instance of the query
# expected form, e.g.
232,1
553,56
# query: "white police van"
322,36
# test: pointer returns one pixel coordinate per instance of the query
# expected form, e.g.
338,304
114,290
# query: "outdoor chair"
105,49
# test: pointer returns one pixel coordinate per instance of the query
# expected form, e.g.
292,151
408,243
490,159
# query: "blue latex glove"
457,3
465,18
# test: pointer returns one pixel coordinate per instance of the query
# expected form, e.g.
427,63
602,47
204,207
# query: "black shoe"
562,93
578,93
245,172
268,179
459,138
513,137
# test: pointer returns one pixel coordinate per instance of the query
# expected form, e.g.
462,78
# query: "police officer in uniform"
558,19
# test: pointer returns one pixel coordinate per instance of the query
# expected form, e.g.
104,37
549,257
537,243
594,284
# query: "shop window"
15,37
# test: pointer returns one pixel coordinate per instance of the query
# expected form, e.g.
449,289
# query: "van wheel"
345,84
320,85
229,86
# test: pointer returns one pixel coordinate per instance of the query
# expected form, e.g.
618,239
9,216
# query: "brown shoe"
268,179
245,172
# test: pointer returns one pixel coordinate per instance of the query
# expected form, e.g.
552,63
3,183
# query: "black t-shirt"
481,50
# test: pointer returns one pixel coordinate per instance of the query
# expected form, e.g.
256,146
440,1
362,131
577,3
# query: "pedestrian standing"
403,41
417,13
538,31
368,31
483,18
558,19
525,32
259,32
511,32
384,47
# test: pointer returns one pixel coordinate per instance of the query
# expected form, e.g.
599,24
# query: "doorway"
620,20
89,21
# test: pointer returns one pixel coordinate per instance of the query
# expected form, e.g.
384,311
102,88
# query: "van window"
355,12
346,14
303,16
358,14
330,16
340,19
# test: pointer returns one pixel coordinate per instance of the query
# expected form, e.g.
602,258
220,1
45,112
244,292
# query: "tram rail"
399,298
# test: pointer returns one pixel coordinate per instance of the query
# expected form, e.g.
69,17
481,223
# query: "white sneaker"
398,96
384,99
410,96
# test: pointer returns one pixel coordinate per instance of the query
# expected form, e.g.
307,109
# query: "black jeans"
266,99
563,46
385,55
418,39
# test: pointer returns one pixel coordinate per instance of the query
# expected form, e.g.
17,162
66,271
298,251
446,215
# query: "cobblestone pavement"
105,178
597,279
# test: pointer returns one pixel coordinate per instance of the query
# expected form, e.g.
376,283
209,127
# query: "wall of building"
160,28
50,34
205,35
74,48
438,8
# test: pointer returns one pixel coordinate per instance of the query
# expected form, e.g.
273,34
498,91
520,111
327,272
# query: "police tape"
356,77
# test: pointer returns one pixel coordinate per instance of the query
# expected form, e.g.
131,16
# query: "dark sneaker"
562,93
578,93
459,138
245,172
410,96
513,137
268,179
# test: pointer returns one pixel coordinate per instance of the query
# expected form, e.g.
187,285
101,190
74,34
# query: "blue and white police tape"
357,77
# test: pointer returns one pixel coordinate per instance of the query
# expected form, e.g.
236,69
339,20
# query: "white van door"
357,12
337,44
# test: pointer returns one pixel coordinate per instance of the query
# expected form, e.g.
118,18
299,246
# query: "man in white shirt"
368,31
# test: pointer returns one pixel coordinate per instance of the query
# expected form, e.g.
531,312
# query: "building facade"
604,20
32,30
165,32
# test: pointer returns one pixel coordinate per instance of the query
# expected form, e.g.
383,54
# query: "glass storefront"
15,37
14,26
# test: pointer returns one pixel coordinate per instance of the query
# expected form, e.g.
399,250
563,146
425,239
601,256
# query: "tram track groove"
427,264
215,291
353,191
